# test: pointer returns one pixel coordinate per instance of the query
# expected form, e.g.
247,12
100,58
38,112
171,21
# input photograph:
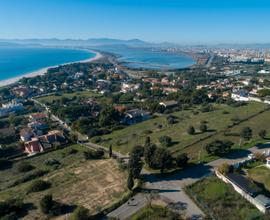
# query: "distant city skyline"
183,22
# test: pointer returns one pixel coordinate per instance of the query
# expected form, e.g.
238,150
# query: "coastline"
43,71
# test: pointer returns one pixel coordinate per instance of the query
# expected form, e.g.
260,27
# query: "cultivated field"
216,121
93,184
221,201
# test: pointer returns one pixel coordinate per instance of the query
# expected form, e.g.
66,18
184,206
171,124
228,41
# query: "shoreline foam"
43,71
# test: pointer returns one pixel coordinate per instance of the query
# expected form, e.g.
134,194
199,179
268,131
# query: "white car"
251,156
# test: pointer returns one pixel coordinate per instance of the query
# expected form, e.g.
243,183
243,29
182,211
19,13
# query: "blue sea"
17,61
150,59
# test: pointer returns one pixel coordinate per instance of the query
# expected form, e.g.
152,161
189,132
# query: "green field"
154,213
221,201
84,94
93,184
217,121
260,174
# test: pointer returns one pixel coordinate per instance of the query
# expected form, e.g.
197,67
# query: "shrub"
207,108
10,209
49,206
203,128
225,168
5,164
191,130
80,213
51,162
246,133
46,204
97,139
24,167
30,176
93,154
165,141
38,185
262,134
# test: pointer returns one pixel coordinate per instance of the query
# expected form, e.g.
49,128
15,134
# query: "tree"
80,213
218,147
262,133
203,127
130,181
110,151
38,185
191,130
46,204
147,141
225,168
181,160
149,154
246,133
138,150
162,159
135,163
108,116
165,141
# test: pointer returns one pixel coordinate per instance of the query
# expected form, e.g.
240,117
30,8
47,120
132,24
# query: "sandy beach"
44,70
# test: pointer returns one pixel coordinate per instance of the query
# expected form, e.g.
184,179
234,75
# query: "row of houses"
245,96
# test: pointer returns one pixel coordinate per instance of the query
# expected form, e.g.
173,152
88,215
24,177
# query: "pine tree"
130,181
110,151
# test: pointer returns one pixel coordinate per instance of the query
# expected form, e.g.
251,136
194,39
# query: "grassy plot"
260,174
93,184
221,201
154,213
83,94
217,120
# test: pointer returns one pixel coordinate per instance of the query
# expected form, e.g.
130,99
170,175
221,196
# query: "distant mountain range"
78,42
99,42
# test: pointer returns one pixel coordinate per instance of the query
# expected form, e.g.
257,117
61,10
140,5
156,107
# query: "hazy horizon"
181,22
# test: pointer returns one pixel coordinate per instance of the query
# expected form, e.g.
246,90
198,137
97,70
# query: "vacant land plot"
221,201
84,94
260,174
216,121
93,184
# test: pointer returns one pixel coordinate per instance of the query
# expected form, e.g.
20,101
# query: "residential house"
129,87
240,95
135,116
20,91
10,107
38,117
44,142
39,126
169,104
26,134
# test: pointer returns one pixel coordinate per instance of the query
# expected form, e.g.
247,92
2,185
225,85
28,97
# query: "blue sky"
181,21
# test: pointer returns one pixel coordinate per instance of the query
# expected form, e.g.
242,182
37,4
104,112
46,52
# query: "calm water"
19,61
146,58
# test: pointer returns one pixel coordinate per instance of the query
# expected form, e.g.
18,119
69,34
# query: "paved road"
129,208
